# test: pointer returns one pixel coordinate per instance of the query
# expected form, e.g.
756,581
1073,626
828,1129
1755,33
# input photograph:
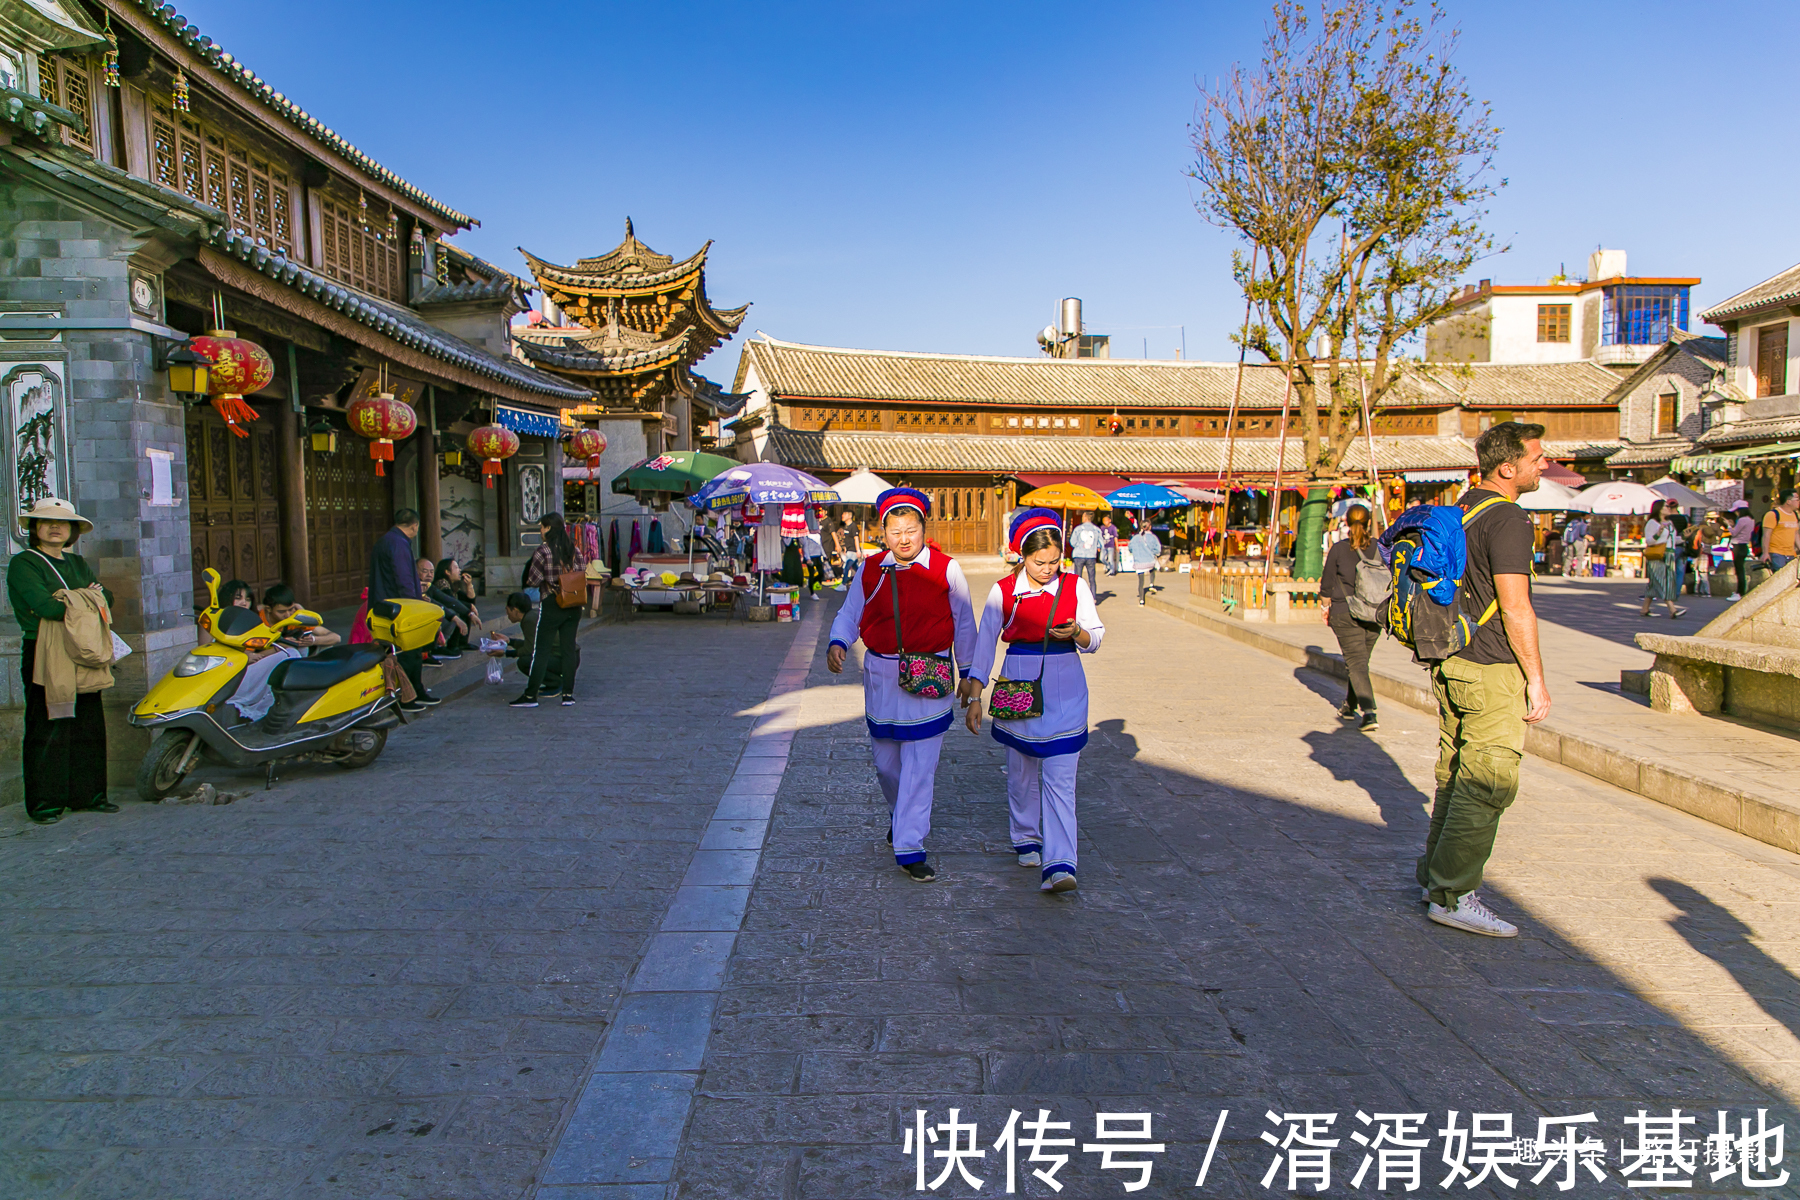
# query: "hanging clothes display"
612,549
768,540
657,546
637,541
793,521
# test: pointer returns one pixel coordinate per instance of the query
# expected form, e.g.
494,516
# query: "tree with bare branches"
1355,163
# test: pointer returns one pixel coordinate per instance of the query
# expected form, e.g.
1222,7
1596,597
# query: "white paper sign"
162,478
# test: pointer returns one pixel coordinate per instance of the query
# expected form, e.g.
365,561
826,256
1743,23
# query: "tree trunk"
1309,533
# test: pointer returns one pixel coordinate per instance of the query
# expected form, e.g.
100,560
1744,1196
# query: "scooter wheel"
361,747
161,772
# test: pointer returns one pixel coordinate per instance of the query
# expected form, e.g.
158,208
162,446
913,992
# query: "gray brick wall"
56,256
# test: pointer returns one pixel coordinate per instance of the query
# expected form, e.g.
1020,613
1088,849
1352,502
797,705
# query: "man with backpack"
1356,623
1489,689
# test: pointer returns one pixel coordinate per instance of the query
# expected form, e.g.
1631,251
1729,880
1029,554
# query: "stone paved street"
398,982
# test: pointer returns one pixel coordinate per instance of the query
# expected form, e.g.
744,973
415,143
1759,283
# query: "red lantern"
238,367
384,420
492,444
589,444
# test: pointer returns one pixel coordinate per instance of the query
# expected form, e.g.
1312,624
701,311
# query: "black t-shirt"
1500,543
1339,577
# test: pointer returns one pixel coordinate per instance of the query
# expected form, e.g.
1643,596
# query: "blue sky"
924,175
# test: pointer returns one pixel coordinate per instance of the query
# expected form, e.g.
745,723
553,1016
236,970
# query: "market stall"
781,493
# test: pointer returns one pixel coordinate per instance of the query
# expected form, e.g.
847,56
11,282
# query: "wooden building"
973,431
146,190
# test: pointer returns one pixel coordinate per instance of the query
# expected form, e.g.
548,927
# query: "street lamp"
189,370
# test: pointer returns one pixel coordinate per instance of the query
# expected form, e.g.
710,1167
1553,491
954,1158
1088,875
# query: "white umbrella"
1619,498
1550,496
861,487
1683,496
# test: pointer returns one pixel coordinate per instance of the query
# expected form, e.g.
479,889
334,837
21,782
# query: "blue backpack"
1427,550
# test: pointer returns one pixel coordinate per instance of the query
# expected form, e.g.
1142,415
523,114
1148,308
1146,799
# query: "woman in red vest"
925,588
1044,615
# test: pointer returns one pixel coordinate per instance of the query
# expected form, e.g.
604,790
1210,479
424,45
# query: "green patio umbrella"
679,472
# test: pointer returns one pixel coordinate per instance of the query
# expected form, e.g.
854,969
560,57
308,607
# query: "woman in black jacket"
448,592
1355,638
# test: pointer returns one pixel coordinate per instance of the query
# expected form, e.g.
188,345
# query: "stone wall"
82,406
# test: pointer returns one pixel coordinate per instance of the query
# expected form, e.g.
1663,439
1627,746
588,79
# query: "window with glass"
1553,322
1643,314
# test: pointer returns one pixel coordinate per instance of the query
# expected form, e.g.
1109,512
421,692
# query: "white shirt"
993,623
846,628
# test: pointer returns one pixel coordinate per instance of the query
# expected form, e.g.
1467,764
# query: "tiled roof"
611,360
1003,455
152,202
395,321
582,276
1649,454
1744,433
792,371
183,30
1779,289
1524,385
1576,448
459,293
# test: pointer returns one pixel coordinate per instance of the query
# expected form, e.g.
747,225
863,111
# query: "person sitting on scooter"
254,697
280,603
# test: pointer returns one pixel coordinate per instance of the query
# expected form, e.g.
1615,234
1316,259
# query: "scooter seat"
325,668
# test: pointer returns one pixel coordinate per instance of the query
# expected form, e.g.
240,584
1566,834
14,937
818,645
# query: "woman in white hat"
65,760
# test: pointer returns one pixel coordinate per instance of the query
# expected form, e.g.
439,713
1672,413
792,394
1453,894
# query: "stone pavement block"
738,834
721,867
707,907
683,962
626,1128
488,1074
659,1031
773,1074
449,1171
1080,1074
250,1173
741,807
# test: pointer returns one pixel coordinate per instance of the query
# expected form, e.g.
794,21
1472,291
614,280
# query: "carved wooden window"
1668,413
363,256
69,82
192,157
1771,360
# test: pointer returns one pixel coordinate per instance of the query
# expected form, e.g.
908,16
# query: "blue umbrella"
1147,495
762,483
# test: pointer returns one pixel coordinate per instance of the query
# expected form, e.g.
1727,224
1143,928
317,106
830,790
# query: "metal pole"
1275,499
1237,390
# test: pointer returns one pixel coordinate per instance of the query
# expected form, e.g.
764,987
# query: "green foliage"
1356,165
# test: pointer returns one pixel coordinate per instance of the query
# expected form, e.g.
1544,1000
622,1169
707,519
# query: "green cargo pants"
1481,737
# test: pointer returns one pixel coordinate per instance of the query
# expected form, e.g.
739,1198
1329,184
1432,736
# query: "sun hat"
51,508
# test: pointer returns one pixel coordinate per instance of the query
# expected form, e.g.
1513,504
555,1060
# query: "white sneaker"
1735,598
1061,881
1472,916
1031,859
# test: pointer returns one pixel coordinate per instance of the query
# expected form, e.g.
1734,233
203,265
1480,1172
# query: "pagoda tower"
637,322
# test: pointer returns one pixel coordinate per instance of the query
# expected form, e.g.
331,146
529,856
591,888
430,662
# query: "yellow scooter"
335,705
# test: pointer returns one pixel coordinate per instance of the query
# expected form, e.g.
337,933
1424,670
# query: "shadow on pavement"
1711,929
1234,945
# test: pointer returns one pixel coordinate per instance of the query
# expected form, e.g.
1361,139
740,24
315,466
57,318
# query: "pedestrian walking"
1045,616
1743,528
394,575
1356,638
1702,536
812,546
1490,690
555,555
1575,543
1145,549
1780,524
846,543
910,606
1084,549
63,754
1109,544
1662,559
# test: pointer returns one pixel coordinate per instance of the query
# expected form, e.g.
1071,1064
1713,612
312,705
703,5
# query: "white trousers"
1040,799
908,774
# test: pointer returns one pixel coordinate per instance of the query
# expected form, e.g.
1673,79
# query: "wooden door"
348,506
965,520
235,514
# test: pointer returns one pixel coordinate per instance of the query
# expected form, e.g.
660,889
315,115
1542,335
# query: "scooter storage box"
406,624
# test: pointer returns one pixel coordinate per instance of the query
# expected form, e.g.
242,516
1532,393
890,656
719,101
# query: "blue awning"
1458,475
525,420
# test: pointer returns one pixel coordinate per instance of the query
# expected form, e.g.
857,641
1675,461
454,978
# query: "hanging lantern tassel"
180,91
382,451
234,410
491,467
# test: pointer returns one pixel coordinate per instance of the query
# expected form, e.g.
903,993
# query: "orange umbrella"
1065,496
